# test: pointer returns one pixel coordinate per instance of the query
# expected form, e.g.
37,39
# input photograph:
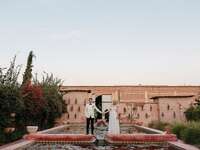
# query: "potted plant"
32,129
9,130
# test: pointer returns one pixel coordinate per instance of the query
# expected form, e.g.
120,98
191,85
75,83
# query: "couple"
113,125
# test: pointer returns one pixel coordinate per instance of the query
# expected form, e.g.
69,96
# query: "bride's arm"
97,109
107,110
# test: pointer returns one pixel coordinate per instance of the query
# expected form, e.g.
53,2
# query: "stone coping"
54,129
182,146
17,145
148,130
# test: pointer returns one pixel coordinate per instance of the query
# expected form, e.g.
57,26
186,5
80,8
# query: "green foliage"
28,72
55,104
191,134
35,105
193,113
39,103
177,128
9,76
10,100
2,136
158,125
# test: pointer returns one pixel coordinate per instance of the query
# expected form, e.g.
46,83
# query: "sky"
105,42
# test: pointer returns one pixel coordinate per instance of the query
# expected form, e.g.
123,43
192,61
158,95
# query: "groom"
89,113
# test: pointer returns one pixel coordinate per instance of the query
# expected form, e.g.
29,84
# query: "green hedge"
177,128
188,132
191,135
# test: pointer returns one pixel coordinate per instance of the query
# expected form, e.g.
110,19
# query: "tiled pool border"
17,145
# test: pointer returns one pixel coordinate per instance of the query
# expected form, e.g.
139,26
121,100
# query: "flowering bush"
54,102
35,104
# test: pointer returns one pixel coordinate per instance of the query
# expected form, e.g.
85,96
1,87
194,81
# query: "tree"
193,113
28,72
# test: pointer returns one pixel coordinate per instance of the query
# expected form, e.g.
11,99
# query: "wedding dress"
113,125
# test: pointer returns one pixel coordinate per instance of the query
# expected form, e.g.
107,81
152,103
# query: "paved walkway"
179,144
16,144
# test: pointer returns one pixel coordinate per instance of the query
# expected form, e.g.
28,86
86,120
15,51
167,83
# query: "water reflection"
60,146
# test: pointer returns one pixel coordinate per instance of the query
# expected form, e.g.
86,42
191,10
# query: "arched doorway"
103,103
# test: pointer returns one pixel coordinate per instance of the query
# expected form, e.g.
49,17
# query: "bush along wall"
189,132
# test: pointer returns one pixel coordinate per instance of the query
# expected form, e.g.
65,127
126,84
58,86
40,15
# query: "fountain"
72,137
101,139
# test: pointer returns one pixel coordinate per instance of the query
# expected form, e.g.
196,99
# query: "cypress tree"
27,76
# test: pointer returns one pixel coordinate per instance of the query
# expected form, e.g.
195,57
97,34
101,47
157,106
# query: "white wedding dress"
113,125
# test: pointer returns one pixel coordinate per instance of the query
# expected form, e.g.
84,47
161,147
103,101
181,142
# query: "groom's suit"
89,114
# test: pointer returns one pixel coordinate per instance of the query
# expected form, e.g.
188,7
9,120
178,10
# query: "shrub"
188,132
35,106
52,96
193,113
177,128
10,102
158,125
191,135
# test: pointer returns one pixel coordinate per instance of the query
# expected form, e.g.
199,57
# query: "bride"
113,124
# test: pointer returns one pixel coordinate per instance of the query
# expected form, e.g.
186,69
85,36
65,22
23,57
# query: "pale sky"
105,42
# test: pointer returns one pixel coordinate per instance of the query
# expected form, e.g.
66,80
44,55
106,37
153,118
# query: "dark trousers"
90,121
